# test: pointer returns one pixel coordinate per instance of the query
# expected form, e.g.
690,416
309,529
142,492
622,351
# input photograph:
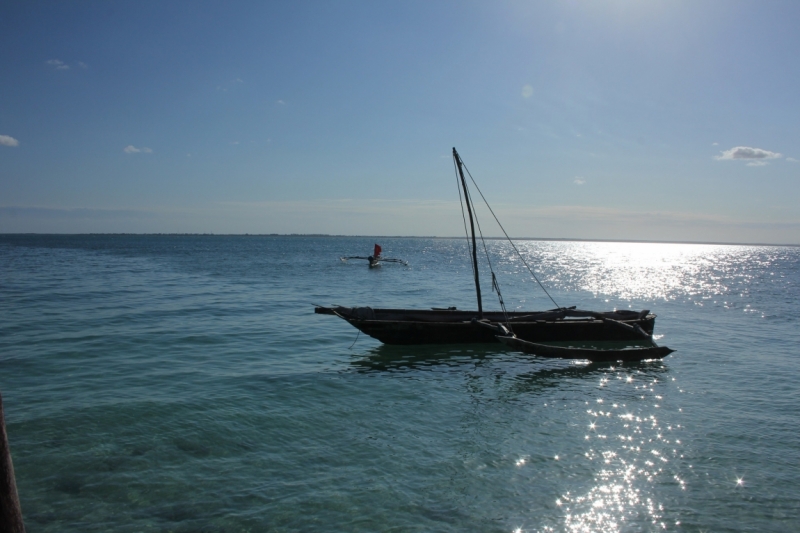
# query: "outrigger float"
629,353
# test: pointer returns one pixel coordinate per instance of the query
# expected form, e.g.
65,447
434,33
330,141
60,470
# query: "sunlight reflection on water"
632,455
649,271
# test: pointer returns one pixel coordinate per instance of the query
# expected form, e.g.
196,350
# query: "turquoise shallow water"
183,383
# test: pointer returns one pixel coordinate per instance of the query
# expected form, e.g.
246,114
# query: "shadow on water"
387,358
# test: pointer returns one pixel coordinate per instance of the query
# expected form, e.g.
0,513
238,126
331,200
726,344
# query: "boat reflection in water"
387,358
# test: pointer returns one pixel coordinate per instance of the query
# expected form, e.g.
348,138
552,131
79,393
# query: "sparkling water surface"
183,383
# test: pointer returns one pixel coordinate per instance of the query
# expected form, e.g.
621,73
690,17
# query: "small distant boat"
632,353
375,259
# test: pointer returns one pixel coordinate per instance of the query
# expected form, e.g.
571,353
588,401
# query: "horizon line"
546,239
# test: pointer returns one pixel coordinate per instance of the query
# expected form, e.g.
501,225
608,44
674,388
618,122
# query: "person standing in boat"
376,255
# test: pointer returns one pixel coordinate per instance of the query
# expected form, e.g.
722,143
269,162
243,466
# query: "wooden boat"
449,325
632,353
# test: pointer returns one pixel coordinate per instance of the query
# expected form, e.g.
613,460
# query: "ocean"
184,384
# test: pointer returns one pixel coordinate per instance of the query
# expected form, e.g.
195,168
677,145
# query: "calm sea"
184,383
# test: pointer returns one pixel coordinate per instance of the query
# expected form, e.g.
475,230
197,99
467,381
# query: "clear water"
183,383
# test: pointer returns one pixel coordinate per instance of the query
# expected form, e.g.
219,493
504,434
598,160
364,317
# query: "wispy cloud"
579,180
72,212
230,84
792,160
527,91
755,155
131,149
7,140
57,64
82,65
281,102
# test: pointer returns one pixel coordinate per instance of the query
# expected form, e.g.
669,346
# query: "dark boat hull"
403,326
640,353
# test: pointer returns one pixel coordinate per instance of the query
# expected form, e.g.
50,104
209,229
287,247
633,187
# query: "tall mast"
472,228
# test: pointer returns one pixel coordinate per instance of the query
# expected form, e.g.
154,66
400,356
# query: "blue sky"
619,119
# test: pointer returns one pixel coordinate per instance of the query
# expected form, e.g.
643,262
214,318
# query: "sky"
605,119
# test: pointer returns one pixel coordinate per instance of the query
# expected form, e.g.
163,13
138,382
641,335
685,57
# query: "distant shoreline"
325,235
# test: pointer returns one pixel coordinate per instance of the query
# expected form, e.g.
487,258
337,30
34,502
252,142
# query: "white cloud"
791,160
7,140
131,149
714,144
757,164
527,91
746,152
579,180
82,64
57,64
281,102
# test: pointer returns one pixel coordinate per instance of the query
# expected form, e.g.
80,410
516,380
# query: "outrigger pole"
472,227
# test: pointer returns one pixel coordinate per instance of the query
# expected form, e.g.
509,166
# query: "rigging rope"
468,198
495,284
506,234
